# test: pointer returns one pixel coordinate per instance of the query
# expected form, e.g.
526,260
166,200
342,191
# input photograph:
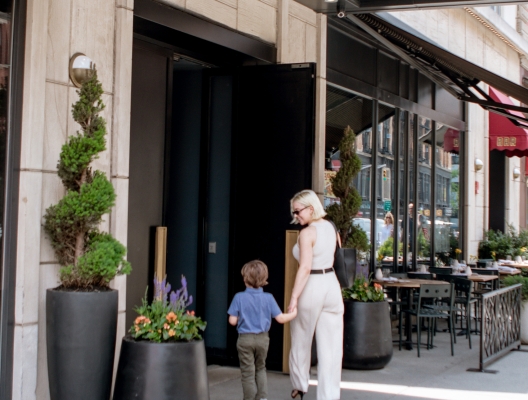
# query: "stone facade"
103,30
462,33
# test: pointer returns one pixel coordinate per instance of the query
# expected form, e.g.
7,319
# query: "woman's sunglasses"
297,212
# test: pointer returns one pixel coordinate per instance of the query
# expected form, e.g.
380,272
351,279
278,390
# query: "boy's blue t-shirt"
254,309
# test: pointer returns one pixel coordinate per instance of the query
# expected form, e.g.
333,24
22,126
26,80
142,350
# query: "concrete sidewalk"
435,375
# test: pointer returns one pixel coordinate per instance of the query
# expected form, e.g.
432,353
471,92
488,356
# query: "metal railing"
500,325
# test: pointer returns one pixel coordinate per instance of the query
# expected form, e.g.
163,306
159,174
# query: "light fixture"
331,1
81,69
516,172
478,164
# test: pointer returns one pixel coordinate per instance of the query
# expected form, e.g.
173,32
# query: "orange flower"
365,284
190,313
166,326
137,328
377,286
171,317
139,320
171,333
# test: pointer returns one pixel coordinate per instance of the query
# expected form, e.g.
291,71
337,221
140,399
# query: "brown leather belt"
321,271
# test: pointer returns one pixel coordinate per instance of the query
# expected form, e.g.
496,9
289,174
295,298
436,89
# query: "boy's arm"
283,318
233,320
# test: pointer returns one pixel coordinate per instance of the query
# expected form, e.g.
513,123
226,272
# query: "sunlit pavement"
435,375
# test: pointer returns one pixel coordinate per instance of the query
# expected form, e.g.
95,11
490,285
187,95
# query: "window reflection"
348,109
447,193
423,216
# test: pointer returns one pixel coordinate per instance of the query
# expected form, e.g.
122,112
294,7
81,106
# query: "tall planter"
81,333
367,335
161,371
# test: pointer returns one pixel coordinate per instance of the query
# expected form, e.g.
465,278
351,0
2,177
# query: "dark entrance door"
234,146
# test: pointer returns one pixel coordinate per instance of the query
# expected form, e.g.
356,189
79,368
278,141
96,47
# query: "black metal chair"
463,301
441,270
420,275
424,311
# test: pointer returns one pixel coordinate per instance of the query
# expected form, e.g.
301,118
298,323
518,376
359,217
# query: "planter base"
161,371
367,335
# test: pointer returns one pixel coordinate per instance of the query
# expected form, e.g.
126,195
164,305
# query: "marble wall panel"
215,11
257,19
311,44
92,33
25,362
119,214
56,116
273,3
28,253
58,48
122,93
303,13
296,40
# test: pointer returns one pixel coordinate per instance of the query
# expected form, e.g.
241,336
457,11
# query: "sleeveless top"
324,247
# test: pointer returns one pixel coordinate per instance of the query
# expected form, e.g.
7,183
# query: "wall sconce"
516,172
478,164
81,69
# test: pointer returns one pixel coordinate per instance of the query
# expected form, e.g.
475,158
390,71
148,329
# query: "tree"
89,258
343,212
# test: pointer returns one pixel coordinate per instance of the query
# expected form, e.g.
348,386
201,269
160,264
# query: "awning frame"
459,80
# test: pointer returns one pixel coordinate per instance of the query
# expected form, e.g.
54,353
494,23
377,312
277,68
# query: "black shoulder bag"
344,263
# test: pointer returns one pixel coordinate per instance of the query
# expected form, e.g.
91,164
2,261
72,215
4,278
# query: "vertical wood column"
282,31
290,271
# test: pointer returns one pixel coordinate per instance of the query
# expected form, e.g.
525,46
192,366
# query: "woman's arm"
306,242
233,320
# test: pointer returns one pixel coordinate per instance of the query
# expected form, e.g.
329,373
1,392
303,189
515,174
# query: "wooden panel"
290,271
160,262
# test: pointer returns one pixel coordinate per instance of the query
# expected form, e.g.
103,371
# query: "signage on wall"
507,141
448,211
387,205
427,213
439,212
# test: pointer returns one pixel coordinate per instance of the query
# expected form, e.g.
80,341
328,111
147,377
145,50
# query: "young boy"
251,311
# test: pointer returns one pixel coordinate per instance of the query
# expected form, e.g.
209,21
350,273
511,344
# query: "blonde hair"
255,274
308,198
389,215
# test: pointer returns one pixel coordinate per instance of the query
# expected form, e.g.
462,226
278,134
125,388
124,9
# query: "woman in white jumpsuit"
317,297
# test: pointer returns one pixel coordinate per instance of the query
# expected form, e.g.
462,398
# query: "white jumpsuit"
320,309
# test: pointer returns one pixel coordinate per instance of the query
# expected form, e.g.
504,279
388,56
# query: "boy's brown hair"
255,274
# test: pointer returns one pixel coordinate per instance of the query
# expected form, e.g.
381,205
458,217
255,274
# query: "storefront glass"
385,189
447,227
424,165
406,206
348,109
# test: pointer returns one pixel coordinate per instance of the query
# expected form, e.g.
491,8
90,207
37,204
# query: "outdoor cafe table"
523,265
410,285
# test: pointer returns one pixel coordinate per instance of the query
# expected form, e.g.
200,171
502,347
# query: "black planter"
81,334
161,371
367,335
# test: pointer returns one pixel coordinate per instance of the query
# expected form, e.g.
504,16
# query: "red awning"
452,141
504,134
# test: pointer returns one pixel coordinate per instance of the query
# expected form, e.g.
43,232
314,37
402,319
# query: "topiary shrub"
90,259
343,212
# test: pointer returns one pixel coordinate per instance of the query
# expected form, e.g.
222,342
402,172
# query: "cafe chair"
441,270
463,302
423,312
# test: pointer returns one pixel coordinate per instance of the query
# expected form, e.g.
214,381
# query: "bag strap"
338,237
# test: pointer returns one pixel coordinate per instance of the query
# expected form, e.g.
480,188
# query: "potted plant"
341,213
367,328
163,357
523,280
81,314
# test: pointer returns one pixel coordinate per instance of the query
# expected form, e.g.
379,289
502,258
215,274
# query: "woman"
388,227
317,297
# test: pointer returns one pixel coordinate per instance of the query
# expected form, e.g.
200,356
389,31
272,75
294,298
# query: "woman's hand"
293,305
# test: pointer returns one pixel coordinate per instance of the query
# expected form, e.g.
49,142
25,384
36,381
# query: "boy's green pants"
252,351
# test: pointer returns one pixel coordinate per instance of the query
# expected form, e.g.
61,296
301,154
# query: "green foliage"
357,238
167,321
387,246
423,245
363,290
349,198
502,244
514,279
88,258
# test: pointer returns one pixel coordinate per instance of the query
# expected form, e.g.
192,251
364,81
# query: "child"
251,311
